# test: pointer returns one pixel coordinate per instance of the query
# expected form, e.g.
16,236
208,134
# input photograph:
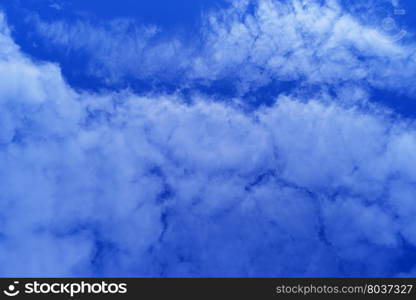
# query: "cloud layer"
250,43
116,184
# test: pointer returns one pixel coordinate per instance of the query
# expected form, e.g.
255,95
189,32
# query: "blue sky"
250,138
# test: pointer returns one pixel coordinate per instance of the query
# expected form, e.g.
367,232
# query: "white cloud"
303,40
120,184
316,43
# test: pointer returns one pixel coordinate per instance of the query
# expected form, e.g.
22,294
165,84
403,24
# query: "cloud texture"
250,43
117,184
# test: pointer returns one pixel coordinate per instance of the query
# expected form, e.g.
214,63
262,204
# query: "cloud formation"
251,43
116,184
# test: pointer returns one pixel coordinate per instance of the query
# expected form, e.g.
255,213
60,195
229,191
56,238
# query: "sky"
207,138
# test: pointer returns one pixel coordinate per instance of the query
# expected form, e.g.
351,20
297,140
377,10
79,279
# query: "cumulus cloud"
252,43
303,40
116,184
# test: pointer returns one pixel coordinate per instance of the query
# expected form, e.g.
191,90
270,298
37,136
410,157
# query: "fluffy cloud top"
116,184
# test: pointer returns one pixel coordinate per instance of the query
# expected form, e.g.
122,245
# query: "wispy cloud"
252,42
